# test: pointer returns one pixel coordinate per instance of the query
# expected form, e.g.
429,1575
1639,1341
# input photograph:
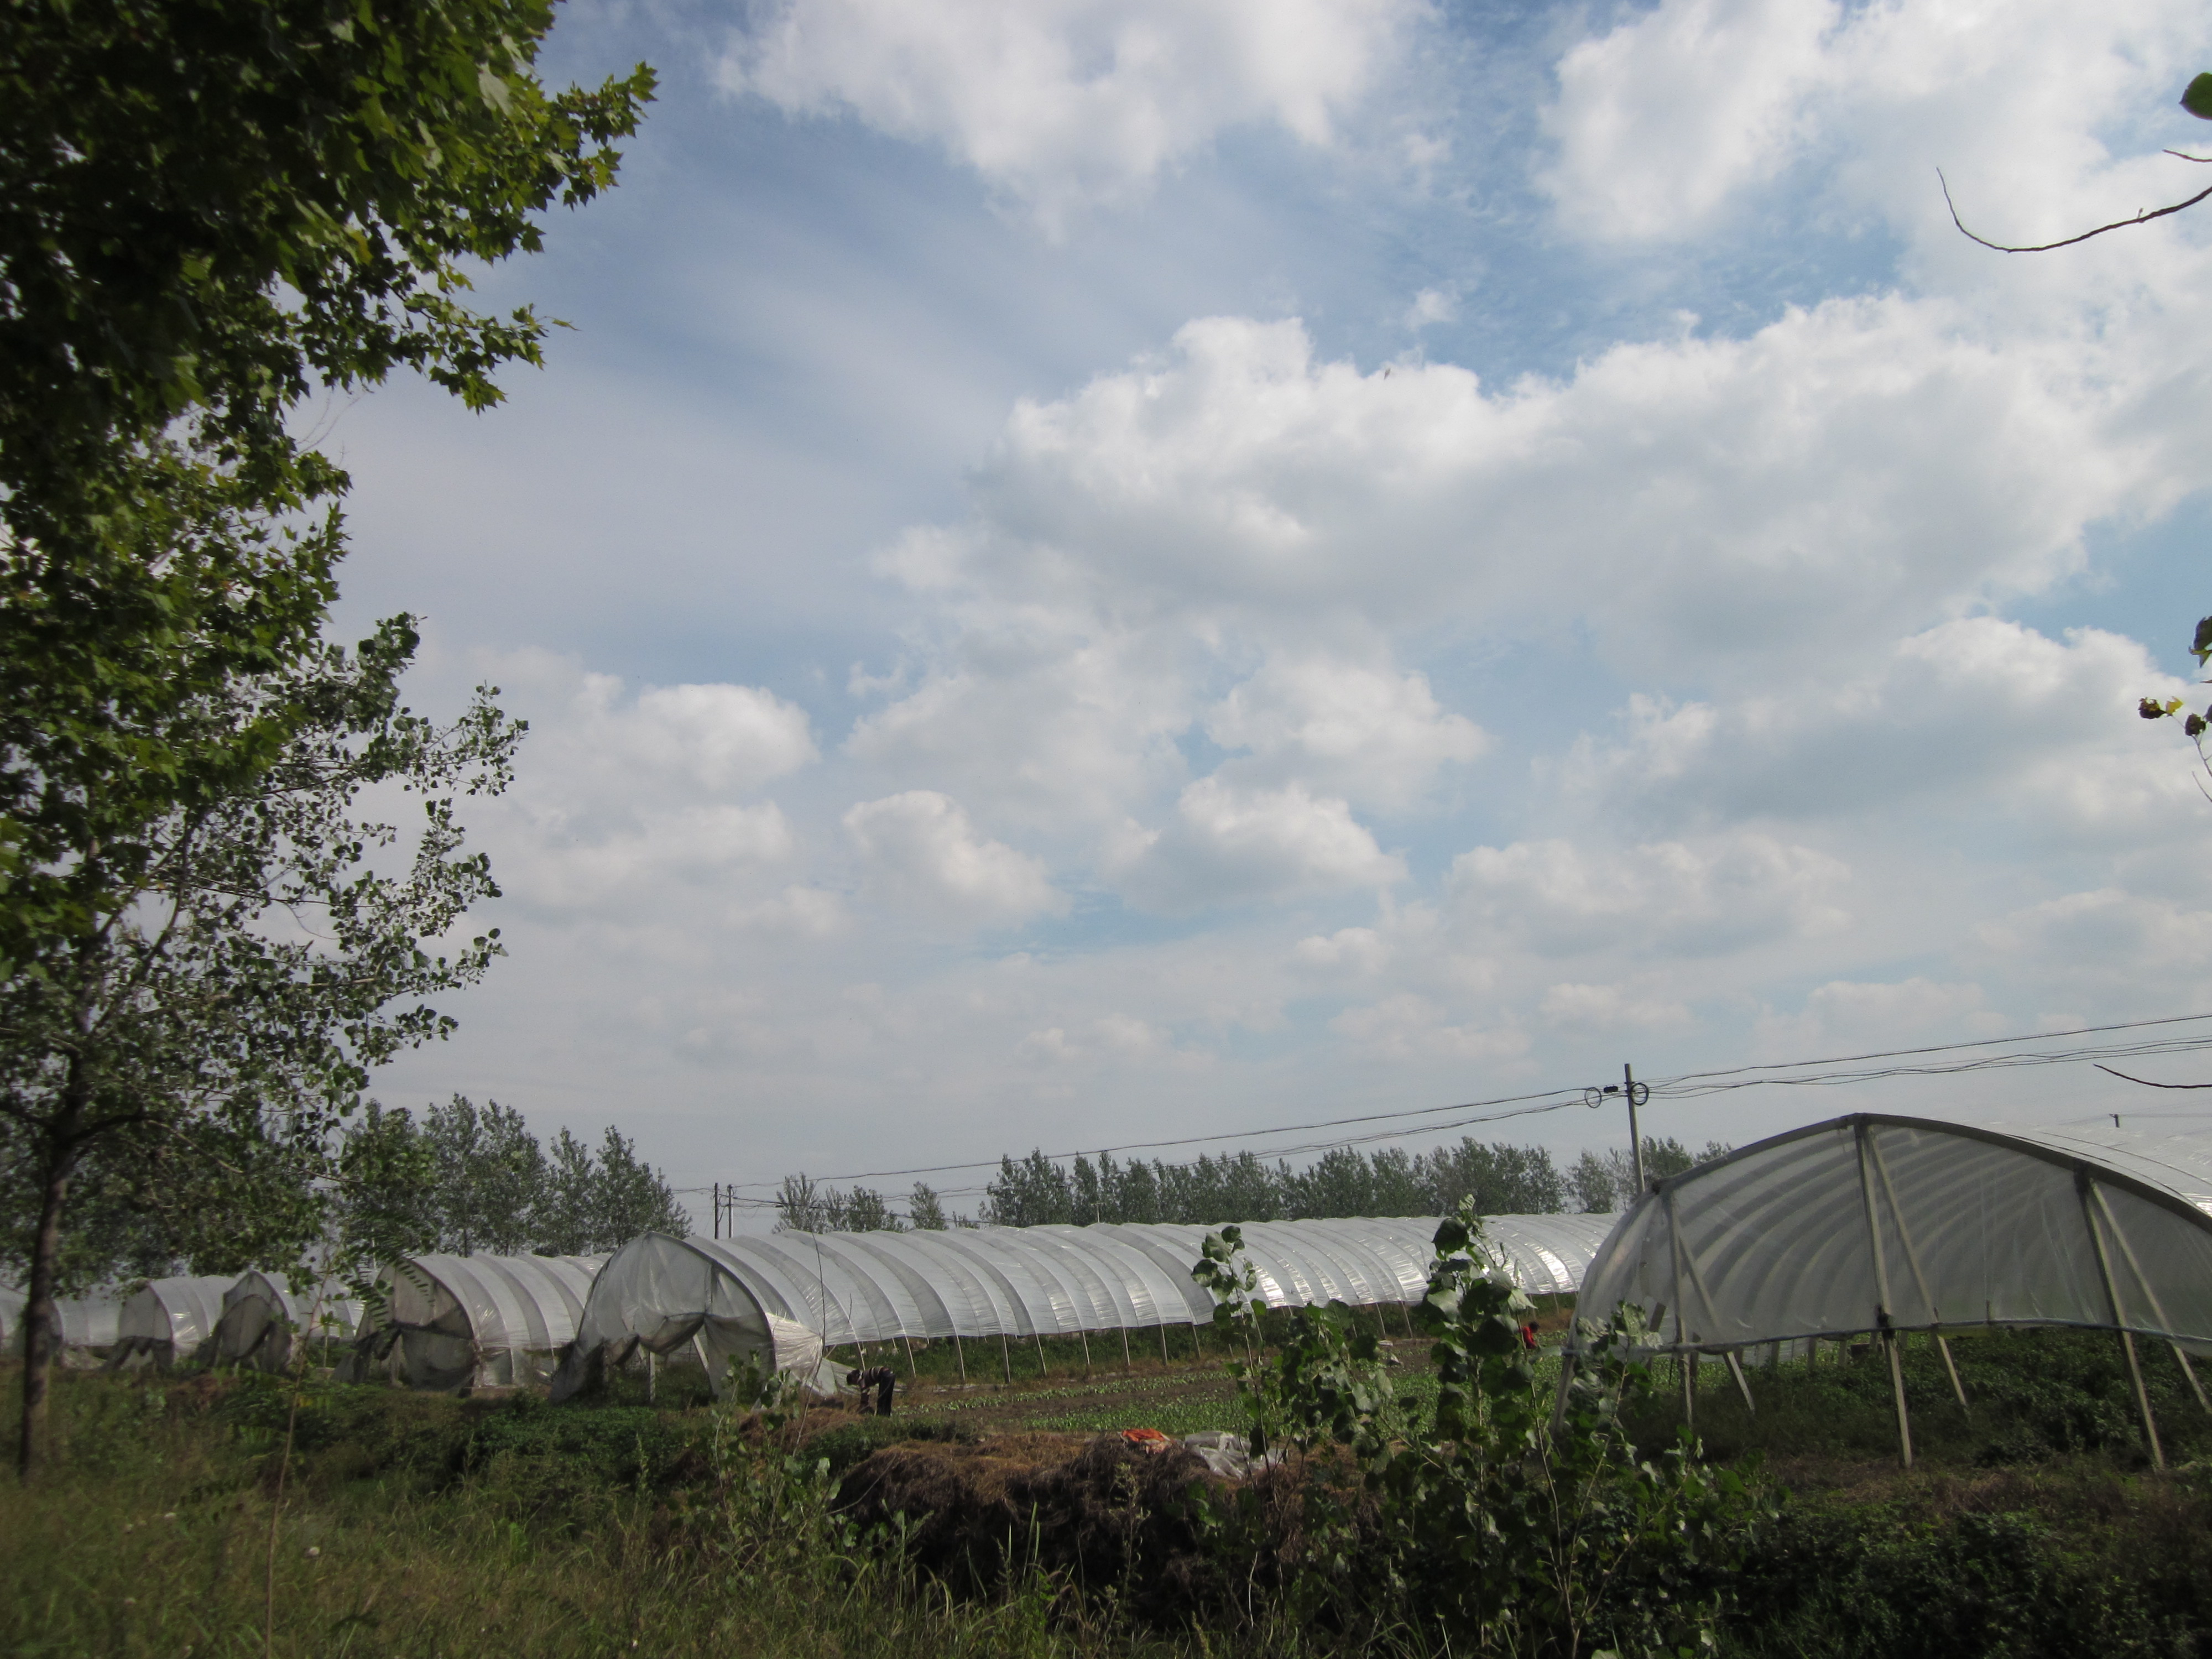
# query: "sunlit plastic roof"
1868,1223
1023,1282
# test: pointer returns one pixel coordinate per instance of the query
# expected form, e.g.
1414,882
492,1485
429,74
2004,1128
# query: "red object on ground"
1147,1440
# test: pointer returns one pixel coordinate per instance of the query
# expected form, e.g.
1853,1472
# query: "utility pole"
1636,1094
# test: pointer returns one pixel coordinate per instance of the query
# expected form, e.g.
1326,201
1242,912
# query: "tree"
213,1023
925,1210
2197,98
490,1177
1595,1190
210,210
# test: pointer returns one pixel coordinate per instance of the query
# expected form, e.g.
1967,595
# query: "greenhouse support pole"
1044,1371
1084,1337
1742,1383
1896,1387
2087,1186
1685,1362
1128,1365
960,1356
1164,1342
1913,1260
1006,1358
2127,1256
1861,1133
913,1372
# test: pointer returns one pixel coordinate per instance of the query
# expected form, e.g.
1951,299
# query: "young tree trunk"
42,1325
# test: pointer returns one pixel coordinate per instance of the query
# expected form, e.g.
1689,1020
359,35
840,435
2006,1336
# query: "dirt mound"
1094,1511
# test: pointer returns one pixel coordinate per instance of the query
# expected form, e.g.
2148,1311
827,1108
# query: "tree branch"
2142,218
2148,1084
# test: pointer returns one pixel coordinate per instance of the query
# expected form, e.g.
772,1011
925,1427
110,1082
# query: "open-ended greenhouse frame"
1871,1226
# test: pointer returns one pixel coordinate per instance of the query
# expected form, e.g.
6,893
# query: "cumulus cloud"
702,739
1846,1015
1609,1007
1228,845
918,847
1971,708
1832,477
1409,1026
1375,736
1554,898
1665,122
622,802
2105,954
1061,103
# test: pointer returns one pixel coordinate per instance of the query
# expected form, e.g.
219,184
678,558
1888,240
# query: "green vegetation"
443,1525
209,213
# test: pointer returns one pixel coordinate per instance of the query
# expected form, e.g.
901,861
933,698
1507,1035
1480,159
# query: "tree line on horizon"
1212,1190
471,1180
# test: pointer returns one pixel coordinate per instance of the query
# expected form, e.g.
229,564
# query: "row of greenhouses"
782,1301
1865,1226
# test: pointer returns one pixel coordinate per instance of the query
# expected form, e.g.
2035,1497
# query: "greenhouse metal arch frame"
1875,1224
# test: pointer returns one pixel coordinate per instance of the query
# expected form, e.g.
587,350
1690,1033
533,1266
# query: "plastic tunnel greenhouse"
464,1322
167,1322
1008,1284
261,1314
1877,1224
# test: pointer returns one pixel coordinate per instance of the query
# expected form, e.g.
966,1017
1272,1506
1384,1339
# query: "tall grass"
425,1526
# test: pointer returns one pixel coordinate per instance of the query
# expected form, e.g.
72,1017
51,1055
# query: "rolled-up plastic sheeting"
262,1316
1023,1282
168,1320
1871,1223
682,1298
453,1323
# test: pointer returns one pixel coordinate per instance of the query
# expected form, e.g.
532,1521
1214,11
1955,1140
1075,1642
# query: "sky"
1107,572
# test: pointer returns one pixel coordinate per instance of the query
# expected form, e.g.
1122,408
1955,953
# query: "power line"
1687,1085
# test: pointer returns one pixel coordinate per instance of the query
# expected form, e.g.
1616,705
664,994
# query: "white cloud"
1376,736
1231,844
1845,1015
1659,121
1409,1026
1970,708
709,738
920,848
2107,940
1830,479
1666,123
1554,898
1066,102
1609,1007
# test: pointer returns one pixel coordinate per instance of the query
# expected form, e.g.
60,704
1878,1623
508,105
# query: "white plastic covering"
671,1297
1870,1223
261,1313
167,1322
1015,1282
91,1328
462,1321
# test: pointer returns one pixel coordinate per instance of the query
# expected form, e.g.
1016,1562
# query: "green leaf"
2201,647
2198,97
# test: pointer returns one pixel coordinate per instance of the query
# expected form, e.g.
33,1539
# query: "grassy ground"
421,1525
425,1526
